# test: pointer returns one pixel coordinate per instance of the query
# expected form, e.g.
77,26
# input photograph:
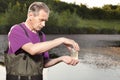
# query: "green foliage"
3,5
64,18
62,22
53,19
100,26
16,14
96,13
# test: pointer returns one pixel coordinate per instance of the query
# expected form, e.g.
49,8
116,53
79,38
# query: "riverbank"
84,26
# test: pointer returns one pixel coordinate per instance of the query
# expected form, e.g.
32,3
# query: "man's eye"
41,20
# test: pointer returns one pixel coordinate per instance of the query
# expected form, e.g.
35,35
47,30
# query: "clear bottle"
74,53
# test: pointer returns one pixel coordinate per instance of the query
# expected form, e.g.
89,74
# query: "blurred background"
94,24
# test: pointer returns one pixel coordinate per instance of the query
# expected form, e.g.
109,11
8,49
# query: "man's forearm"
52,62
42,46
45,46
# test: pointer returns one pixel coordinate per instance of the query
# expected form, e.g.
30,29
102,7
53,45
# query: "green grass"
100,24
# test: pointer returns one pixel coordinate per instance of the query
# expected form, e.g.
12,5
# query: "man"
27,54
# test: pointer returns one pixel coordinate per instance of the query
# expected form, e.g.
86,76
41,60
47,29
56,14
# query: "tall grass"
100,24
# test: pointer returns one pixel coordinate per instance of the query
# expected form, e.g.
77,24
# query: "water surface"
99,58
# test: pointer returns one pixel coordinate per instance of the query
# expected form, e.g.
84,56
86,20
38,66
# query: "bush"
16,13
67,19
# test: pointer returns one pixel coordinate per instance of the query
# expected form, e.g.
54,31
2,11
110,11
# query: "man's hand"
69,60
69,43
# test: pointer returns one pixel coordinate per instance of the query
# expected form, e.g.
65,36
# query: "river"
99,58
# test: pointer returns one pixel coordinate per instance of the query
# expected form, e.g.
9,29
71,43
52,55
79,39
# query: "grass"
100,24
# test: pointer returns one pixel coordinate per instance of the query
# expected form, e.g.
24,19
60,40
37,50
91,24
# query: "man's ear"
30,15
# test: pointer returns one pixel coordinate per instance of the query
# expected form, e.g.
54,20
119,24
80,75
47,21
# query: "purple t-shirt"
17,38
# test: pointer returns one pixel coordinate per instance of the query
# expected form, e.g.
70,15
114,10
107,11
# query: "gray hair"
35,7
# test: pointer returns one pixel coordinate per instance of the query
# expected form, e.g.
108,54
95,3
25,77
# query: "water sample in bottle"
74,53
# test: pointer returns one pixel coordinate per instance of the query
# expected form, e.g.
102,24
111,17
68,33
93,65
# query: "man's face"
38,21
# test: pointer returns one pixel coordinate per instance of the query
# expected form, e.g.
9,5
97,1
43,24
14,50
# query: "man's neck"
29,26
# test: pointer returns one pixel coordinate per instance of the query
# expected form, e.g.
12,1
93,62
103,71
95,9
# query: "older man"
27,54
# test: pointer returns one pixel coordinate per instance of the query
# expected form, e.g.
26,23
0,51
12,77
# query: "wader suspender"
40,33
24,30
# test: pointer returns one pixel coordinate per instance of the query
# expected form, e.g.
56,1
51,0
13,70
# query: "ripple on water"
104,58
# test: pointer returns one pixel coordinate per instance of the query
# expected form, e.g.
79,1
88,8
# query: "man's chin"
38,29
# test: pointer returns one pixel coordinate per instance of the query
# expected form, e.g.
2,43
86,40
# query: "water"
81,72
99,58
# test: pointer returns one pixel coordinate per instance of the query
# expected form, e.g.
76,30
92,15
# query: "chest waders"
22,63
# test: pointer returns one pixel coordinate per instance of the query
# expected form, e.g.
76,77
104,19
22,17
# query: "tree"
16,13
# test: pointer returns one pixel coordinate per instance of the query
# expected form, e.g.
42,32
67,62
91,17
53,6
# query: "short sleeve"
17,38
